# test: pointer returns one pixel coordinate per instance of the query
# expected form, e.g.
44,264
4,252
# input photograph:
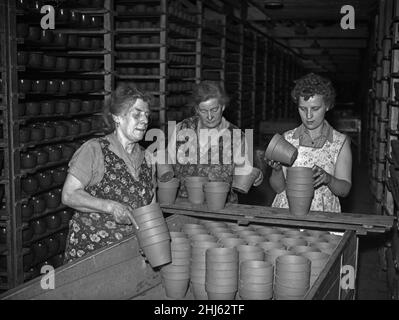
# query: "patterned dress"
325,158
215,172
92,231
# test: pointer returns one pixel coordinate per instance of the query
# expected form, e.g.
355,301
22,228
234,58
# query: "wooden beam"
338,43
333,32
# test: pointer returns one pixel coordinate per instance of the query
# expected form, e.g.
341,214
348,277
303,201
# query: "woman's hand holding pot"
122,213
320,177
274,164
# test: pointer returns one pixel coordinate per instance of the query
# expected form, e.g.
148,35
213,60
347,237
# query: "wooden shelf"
138,46
46,212
44,235
25,197
139,77
134,61
23,95
93,31
23,120
137,30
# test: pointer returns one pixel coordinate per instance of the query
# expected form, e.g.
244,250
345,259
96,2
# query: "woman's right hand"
123,214
274,164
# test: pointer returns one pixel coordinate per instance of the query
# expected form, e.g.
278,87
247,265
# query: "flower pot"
242,183
36,133
61,63
39,86
45,179
62,15
215,200
299,193
35,60
247,252
98,85
47,107
299,206
222,255
256,279
232,242
87,85
41,157
38,205
34,33
292,242
158,253
157,222
167,191
54,154
26,211
253,295
74,105
175,289
40,251
53,221
75,85
299,172
28,160
72,41
24,85
61,129
165,172
194,186
202,237
49,131
281,150
62,237
27,233
65,216
22,58
221,296
39,226
273,254
288,261
46,36
88,64
64,86
53,199
148,233
154,239
216,186
29,185
61,106
198,290
60,39
48,62
84,42
87,106
302,249
53,245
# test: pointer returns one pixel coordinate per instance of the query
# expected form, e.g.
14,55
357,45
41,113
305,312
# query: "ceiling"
312,29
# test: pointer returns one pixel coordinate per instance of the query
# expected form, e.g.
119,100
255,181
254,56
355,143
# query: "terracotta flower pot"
40,250
75,85
29,185
64,86
255,279
216,196
28,160
242,183
281,150
45,179
292,242
24,85
53,199
175,289
22,58
198,290
273,254
232,242
299,172
148,233
167,191
49,131
202,237
39,226
247,252
53,221
26,211
154,239
299,206
53,245
60,39
212,295
194,186
152,224
158,253
74,106
326,247
253,295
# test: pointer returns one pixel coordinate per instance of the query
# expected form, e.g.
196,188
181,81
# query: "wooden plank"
250,212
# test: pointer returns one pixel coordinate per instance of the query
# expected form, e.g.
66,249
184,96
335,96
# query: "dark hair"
124,96
312,84
209,90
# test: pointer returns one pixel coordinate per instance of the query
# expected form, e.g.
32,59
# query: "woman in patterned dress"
320,147
210,100
108,177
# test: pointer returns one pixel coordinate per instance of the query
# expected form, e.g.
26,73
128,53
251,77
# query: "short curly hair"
209,90
312,84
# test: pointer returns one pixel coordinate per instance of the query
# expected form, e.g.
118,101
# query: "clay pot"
61,129
267,245
72,41
54,154
40,250
67,151
272,254
158,253
232,242
49,62
75,85
28,160
26,211
299,172
38,204
88,64
39,226
167,191
87,106
52,86
85,126
53,221
216,194
148,212
73,128
217,292
84,20
65,216
98,85
27,233
34,33
247,252
49,131
52,243
62,15
60,39
299,206
73,64
96,21
46,36
29,185
165,172
24,85
64,86
22,30
292,242
22,58
74,17
61,106
21,109
47,107
59,175
45,179
74,106
36,133
62,238
194,186
84,42
243,183
61,63
39,86
87,85
148,233
175,289
95,43
53,199
57,260
32,108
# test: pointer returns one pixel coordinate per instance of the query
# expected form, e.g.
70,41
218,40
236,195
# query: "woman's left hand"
320,177
259,179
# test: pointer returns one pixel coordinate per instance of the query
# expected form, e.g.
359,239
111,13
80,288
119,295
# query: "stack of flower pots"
318,261
268,245
302,249
195,189
191,229
326,247
198,267
243,182
299,190
256,280
292,277
271,255
281,150
216,194
247,252
167,191
232,242
153,234
176,276
221,273
292,242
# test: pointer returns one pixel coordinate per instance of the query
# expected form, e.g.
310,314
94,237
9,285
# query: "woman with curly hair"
320,147
110,176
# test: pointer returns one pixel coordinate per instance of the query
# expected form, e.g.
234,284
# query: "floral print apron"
92,231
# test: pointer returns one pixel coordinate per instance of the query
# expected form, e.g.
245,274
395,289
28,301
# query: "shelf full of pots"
63,79
140,42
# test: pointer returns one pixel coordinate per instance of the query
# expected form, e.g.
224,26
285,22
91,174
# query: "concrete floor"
372,280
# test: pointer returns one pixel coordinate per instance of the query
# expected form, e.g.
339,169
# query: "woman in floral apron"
210,101
108,177
320,147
